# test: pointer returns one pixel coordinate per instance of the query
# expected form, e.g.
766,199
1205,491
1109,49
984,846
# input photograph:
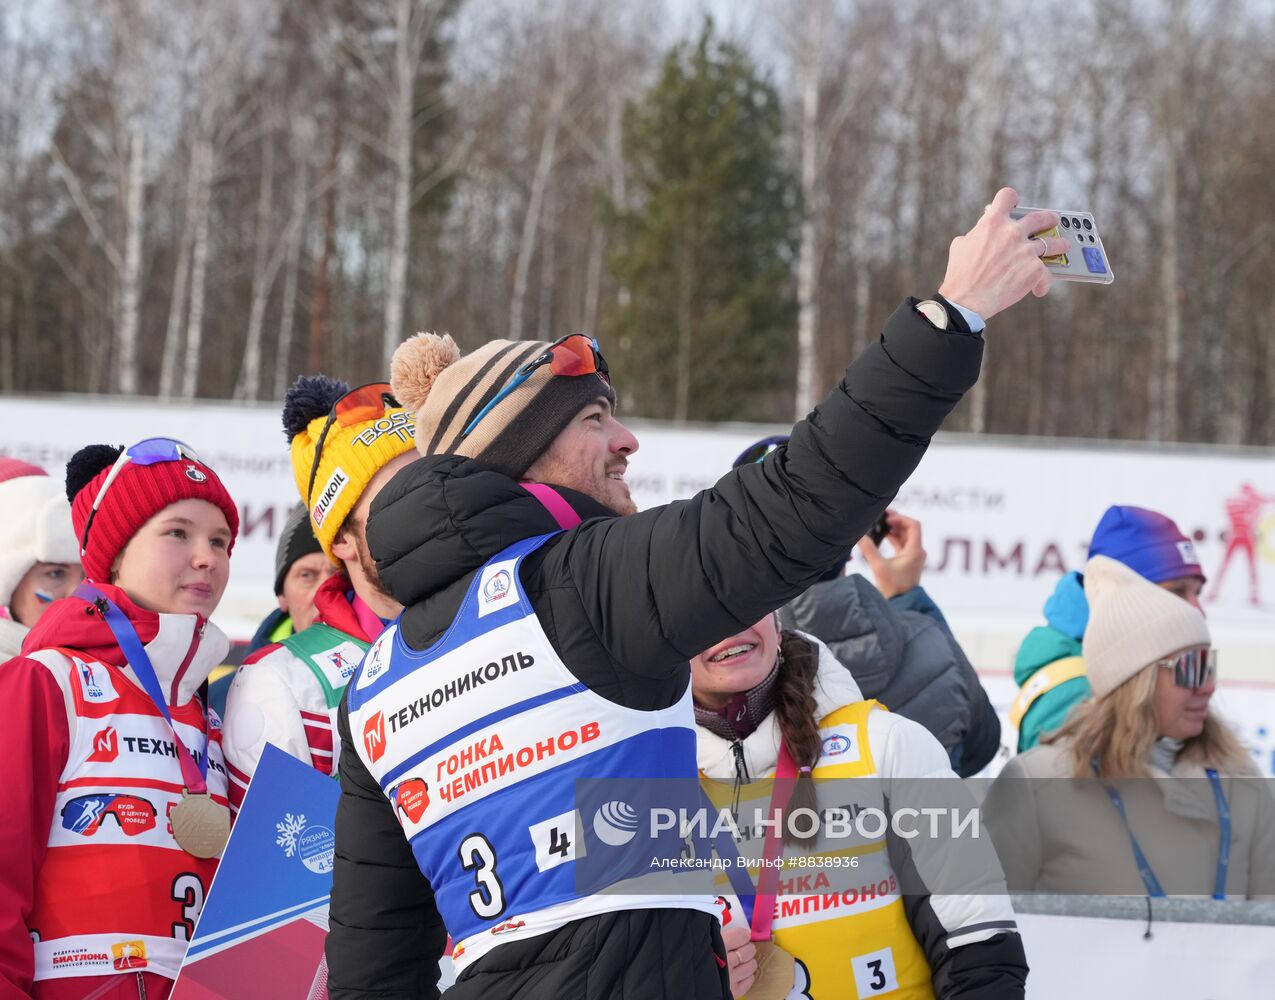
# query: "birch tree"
387,42
540,179
815,35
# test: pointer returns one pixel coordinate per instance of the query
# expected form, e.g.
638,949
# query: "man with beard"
546,637
346,445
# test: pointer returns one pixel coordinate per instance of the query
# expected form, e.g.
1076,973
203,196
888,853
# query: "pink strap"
768,882
369,621
552,501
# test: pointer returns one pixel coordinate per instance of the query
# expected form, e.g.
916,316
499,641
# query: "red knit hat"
137,494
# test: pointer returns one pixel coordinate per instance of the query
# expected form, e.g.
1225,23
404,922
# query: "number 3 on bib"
874,973
476,855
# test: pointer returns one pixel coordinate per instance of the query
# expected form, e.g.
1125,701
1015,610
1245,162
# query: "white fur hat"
35,524
1132,623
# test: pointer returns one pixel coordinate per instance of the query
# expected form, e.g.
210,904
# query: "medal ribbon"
759,903
194,775
768,881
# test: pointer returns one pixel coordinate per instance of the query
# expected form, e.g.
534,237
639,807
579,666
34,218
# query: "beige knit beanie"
1132,624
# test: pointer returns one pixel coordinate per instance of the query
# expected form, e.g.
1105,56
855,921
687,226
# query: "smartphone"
1087,260
879,530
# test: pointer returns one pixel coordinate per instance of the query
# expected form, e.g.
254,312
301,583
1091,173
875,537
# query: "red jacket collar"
332,600
182,648
75,624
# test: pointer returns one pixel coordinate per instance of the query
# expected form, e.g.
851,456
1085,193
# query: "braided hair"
795,709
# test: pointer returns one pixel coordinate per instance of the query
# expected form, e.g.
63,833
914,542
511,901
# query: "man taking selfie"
516,532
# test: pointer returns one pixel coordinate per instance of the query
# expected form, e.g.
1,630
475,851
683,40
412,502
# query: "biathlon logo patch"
840,744
95,681
377,659
129,955
374,737
342,662
332,489
496,588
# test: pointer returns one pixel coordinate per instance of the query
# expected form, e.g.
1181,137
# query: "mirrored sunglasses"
1192,669
151,451
358,406
573,355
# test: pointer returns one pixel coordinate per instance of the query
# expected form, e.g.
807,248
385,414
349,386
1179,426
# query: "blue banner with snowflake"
277,867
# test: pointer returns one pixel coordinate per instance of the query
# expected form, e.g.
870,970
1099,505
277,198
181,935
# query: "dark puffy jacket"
626,602
906,660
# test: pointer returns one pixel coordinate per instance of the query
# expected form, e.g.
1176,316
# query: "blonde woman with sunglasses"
115,809
1144,790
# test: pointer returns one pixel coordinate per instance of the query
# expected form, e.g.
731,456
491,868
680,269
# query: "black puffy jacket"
626,601
906,660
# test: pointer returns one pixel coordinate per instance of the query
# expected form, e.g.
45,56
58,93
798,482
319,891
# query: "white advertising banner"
1095,957
1002,519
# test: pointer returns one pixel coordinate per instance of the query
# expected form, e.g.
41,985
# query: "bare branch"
90,218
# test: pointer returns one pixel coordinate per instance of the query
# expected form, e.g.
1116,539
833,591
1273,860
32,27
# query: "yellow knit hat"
352,453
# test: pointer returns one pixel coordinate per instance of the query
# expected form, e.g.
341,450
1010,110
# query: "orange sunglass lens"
574,356
364,403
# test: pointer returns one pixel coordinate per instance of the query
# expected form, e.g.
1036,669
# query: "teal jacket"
1067,614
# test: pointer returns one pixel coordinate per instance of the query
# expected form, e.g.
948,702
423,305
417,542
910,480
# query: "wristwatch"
935,313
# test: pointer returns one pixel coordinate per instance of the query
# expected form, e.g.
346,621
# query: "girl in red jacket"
115,809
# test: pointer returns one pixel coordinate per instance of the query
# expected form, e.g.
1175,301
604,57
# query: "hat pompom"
309,397
87,463
417,363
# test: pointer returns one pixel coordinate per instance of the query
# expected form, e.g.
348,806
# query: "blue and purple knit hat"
1150,544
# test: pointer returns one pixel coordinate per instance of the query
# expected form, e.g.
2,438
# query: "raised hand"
997,262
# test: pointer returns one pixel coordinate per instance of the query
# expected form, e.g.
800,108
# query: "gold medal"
200,826
776,971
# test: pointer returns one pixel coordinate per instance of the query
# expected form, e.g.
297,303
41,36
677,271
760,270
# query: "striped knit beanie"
137,494
447,391
352,454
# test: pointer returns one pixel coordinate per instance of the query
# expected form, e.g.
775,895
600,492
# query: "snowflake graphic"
289,830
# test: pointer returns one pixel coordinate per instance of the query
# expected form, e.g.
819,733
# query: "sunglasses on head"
86,814
756,452
574,354
152,451
358,406
1192,669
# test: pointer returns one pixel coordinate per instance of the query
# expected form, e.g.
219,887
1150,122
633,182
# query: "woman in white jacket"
852,911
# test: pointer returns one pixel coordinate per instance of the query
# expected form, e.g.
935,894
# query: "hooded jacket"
1066,615
907,661
986,963
625,602
37,716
